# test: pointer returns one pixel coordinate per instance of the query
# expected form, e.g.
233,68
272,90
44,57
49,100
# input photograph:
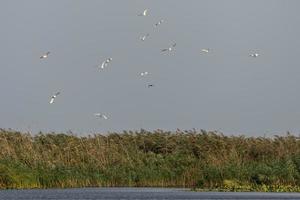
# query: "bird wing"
145,12
103,64
51,100
164,49
174,45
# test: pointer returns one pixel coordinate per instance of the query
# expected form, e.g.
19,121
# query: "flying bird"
150,85
254,55
144,73
144,13
205,50
105,63
53,97
45,55
170,48
101,115
143,38
158,23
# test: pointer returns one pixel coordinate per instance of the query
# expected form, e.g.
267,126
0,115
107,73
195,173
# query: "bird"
53,97
100,115
158,23
105,63
144,73
150,85
254,55
144,13
45,55
205,50
170,48
143,38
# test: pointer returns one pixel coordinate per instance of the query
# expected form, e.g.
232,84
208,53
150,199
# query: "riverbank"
190,159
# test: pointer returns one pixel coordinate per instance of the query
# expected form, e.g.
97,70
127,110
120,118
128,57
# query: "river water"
136,193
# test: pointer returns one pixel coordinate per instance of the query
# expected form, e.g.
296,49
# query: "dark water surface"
136,193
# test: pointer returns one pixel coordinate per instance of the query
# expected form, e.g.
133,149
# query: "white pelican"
144,73
170,48
53,97
143,38
105,63
45,55
205,50
101,115
254,55
158,23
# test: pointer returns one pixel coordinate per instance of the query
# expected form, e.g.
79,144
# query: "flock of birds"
106,62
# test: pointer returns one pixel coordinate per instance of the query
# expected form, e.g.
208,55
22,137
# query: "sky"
224,90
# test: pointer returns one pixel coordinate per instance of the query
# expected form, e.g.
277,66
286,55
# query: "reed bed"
202,160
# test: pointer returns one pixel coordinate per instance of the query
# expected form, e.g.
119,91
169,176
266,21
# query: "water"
136,193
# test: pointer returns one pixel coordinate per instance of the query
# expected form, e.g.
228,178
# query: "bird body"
45,55
105,63
170,48
143,38
53,97
158,23
101,115
205,50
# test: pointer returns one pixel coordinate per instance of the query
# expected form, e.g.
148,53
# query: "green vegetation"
202,160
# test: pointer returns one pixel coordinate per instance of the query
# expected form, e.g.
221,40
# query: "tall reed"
202,159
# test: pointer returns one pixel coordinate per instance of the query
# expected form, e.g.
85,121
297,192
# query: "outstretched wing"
52,100
103,64
145,12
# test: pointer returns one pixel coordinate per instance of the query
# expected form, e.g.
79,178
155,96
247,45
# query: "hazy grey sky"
224,90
